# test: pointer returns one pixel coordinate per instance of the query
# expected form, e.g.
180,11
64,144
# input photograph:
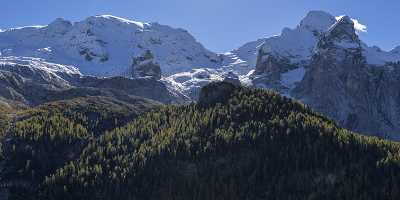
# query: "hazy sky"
220,25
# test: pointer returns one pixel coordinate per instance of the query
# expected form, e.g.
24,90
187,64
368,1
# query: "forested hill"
237,143
35,142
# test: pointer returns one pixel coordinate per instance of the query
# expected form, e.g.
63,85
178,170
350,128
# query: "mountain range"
321,62
109,108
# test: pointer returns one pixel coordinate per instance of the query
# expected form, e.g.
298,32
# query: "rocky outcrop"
146,67
216,92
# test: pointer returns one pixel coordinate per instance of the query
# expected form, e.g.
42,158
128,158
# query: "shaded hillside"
253,145
47,137
32,81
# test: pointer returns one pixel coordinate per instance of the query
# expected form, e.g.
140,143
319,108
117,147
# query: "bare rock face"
270,64
340,84
269,69
145,66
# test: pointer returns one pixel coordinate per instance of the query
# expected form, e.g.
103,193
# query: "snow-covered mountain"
106,45
288,55
322,54
297,45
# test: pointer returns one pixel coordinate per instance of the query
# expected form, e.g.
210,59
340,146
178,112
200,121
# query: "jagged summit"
293,49
341,35
295,44
343,29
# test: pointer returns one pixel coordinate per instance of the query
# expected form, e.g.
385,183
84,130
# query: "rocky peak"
318,21
146,66
341,44
343,31
340,84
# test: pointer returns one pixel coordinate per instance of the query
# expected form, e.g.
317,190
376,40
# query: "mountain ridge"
92,45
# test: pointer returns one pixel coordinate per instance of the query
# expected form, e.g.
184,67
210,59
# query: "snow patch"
39,64
26,27
140,24
190,83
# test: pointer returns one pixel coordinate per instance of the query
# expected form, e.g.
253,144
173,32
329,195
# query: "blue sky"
220,25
